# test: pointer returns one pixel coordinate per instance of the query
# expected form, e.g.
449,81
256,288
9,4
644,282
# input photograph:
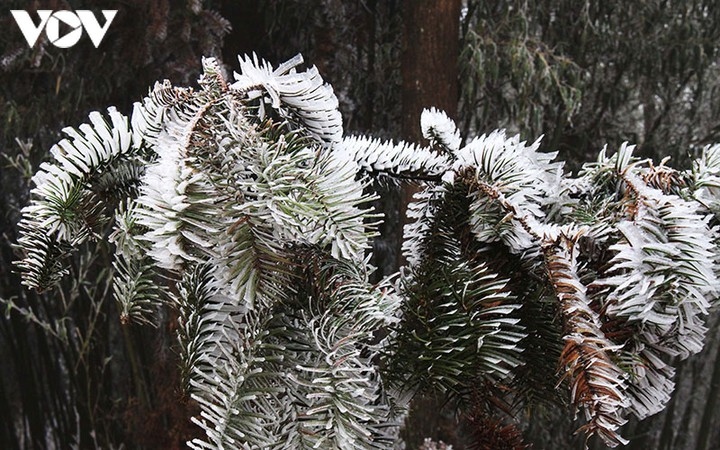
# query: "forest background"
581,74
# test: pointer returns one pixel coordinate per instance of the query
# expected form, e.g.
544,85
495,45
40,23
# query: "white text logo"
76,21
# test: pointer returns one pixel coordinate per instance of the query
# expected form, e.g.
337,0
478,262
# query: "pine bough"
244,207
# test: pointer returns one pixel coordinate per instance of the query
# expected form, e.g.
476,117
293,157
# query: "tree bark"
429,60
429,67
429,71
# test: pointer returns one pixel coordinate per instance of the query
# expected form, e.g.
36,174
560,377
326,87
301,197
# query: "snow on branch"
440,130
291,93
403,160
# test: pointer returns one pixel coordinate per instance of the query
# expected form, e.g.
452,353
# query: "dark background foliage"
581,73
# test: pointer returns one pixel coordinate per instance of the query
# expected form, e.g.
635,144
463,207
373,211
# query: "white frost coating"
440,130
341,194
162,198
525,180
82,153
303,94
652,385
421,213
291,196
126,244
511,164
311,199
374,155
662,281
706,178
149,115
664,270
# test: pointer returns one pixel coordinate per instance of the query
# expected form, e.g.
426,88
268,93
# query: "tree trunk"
429,70
429,67
429,60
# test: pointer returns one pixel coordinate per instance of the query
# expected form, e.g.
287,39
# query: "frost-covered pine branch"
242,206
232,185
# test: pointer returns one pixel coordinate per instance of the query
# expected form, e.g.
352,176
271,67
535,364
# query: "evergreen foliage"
243,208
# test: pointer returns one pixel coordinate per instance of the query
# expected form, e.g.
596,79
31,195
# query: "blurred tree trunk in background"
431,45
429,66
429,72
